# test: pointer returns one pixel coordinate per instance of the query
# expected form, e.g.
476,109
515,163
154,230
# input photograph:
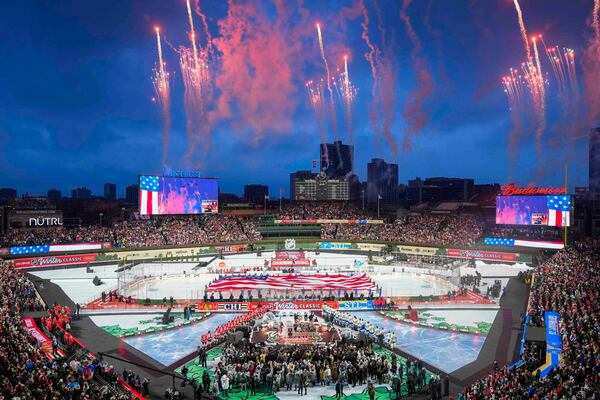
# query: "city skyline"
78,106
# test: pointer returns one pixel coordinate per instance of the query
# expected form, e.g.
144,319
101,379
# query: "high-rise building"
255,193
382,181
110,191
321,188
81,193
54,195
301,175
337,159
7,194
132,194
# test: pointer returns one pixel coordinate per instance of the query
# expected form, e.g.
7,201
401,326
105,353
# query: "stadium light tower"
362,195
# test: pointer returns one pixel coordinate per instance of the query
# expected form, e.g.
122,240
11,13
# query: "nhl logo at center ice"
290,244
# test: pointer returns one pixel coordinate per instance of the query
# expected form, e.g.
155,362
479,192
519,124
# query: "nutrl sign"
513,190
44,221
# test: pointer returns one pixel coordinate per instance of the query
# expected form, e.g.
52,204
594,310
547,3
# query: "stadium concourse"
410,308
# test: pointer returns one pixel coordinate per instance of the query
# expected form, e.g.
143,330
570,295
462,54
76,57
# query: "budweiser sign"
514,190
53,260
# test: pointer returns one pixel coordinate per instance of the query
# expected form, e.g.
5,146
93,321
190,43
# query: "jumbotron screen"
164,195
533,210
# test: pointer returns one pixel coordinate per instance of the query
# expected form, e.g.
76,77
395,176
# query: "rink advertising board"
371,246
167,195
482,255
356,305
232,248
417,250
51,261
223,306
335,246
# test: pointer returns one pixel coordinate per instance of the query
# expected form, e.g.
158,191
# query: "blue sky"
76,109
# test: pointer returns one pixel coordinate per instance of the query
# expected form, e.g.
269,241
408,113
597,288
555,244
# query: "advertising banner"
276,305
327,221
335,246
31,219
416,250
356,305
371,246
537,244
38,335
50,261
160,253
232,248
290,263
59,248
301,305
553,342
482,255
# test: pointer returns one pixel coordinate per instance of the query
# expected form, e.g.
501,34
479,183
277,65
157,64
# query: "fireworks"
522,28
328,80
348,94
316,98
160,80
196,82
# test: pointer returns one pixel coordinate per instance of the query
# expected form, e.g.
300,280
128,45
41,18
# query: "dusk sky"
76,93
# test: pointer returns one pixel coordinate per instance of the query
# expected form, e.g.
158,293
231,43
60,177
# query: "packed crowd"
568,283
325,210
15,237
417,229
29,371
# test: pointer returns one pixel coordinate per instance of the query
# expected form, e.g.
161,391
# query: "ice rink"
411,284
445,350
169,346
77,283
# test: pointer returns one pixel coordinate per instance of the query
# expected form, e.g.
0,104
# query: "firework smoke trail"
160,80
348,95
192,32
329,89
591,69
198,11
523,30
513,87
541,90
596,19
316,98
569,55
371,56
414,110
195,76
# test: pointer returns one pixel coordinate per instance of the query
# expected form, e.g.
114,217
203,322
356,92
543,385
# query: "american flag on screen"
293,282
150,188
559,209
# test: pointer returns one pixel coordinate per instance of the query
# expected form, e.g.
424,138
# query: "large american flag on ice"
559,209
293,282
150,188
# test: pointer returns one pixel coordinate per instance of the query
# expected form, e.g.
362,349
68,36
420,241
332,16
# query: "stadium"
222,305
275,199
